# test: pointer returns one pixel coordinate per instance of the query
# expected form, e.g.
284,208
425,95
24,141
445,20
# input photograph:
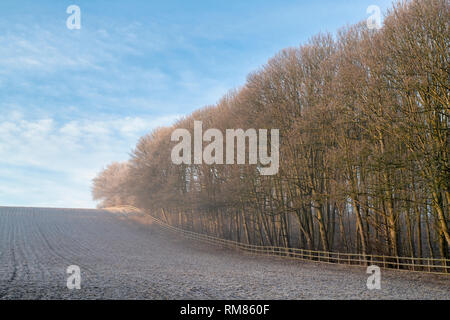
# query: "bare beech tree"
364,154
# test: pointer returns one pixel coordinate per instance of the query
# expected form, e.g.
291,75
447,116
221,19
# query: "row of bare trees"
364,147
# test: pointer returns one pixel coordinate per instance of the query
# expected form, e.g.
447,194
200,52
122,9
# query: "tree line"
363,118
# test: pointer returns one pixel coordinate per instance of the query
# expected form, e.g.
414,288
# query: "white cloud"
46,163
52,80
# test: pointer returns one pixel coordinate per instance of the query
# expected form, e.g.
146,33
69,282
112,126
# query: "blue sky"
72,101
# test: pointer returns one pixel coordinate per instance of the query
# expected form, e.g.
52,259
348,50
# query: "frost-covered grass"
127,259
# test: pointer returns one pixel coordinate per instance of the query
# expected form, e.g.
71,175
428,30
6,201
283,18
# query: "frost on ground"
126,259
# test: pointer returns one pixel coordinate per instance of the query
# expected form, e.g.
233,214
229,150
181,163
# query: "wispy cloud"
44,161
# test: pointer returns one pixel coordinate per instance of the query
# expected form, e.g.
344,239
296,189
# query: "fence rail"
424,265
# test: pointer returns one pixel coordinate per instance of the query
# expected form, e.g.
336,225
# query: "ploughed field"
120,258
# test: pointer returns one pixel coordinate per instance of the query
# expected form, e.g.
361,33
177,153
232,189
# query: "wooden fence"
424,265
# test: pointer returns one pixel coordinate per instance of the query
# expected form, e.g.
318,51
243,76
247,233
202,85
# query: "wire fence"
424,265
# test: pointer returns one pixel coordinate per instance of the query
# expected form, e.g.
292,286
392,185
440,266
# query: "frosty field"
123,259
